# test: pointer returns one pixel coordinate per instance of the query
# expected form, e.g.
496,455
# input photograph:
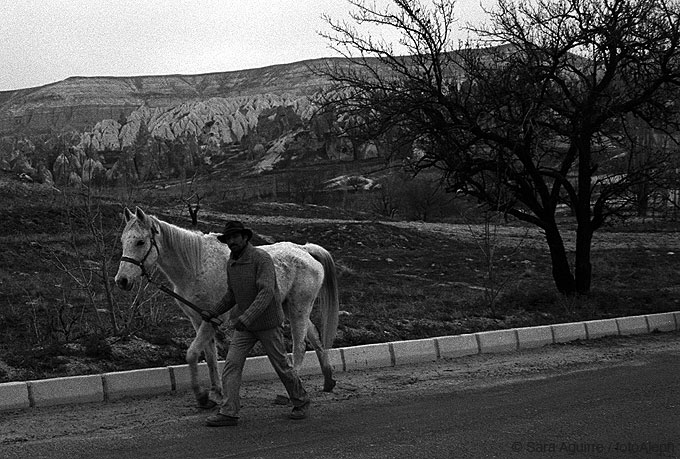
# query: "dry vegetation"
398,280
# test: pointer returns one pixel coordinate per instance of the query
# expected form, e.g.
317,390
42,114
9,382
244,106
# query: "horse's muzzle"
124,283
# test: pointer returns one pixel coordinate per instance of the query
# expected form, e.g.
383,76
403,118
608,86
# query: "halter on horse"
214,320
141,262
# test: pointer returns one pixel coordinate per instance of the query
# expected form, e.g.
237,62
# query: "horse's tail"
328,298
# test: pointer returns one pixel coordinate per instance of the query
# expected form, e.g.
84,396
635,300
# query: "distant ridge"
79,102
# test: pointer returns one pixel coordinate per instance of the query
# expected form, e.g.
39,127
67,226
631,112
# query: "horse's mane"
187,244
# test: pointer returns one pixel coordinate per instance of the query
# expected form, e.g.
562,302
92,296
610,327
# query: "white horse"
196,266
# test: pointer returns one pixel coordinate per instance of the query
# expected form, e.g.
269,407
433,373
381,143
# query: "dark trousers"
242,343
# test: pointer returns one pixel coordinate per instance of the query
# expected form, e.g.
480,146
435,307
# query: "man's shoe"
299,412
221,420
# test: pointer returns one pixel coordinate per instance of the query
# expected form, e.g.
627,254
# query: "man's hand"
208,316
240,326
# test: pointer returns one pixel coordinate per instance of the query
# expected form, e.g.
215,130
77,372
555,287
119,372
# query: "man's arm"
226,303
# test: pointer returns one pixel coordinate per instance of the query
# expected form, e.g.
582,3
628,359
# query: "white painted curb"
599,328
531,337
633,325
563,333
112,386
72,389
415,351
136,382
367,356
457,345
14,395
497,341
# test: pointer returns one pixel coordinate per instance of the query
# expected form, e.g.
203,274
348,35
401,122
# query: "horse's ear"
127,215
140,214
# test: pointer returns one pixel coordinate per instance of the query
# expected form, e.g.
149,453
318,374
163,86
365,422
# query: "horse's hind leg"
298,331
326,368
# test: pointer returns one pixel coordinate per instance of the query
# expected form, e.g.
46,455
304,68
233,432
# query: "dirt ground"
123,418
398,281
509,236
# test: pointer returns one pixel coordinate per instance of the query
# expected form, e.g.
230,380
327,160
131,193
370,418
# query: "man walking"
257,315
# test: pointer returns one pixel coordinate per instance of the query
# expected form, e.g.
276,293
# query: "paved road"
612,398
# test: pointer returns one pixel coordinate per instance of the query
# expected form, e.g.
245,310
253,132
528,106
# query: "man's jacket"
252,291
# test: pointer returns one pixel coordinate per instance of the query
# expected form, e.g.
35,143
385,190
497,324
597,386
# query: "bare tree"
537,106
424,198
193,208
388,200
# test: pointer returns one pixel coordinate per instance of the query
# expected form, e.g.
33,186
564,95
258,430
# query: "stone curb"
112,386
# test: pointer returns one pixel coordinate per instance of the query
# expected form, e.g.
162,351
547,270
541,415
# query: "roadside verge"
116,385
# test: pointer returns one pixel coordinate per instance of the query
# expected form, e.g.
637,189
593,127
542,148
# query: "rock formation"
266,113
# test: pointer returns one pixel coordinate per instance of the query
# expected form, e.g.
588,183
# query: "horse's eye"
140,243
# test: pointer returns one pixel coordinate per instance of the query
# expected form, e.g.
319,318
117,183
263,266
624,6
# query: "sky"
45,41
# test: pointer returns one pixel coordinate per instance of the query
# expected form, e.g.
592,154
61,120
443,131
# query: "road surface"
609,398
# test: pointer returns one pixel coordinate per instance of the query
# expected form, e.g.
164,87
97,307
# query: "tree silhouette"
529,117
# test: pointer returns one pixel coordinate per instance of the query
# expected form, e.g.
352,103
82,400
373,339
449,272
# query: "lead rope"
215,321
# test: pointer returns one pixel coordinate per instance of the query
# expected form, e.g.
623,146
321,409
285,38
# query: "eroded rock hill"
267,112
78,103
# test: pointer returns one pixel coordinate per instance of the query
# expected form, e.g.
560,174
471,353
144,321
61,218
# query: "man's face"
236,242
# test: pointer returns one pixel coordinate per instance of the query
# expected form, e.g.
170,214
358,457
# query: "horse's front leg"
204,336
216,393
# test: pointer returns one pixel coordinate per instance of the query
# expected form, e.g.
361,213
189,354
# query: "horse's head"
140,250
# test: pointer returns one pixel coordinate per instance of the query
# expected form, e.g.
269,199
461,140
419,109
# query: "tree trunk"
642,195
582,266
564,280
584,229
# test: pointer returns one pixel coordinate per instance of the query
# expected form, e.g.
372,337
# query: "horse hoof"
281,400
204,401
207,405
329,385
